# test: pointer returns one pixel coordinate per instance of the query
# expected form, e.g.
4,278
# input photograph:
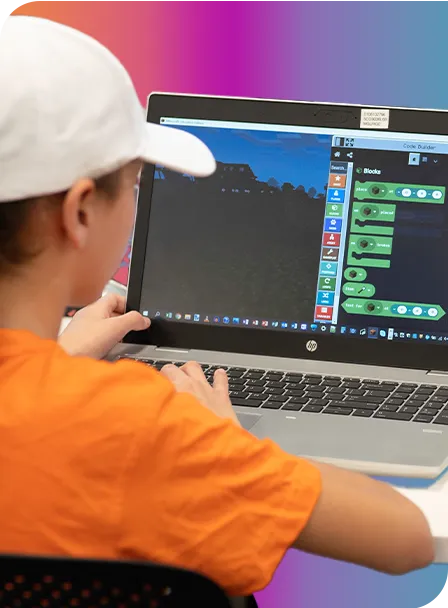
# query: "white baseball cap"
68,110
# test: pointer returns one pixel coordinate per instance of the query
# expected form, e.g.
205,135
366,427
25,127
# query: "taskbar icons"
370,333
226,320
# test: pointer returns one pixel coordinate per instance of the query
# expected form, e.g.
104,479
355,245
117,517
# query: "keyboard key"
393,416
377,394
292,377
389,384
408,385
254,389
251,382
337,378
399,395
314,409
355,392
342,411
421,418
238,394
278,398
427,411
313,377
254,375
314,389
366,399
315,380
246,402
368,381
405,389
294,385
442,392
320,402
409,410
433,387
352,385
292,407
239,381
415,402
389,408
329,383
336,403
441,419
438,399
273,377
352,379
363,413
276,384
235,387
294,393
423,391
272,405
233,373
336,391
436,405
393,401
273,391
298,400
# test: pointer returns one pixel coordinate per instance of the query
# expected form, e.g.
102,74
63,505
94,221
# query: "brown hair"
16,246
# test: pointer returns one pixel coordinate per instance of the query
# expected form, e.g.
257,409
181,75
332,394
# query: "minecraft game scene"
245,241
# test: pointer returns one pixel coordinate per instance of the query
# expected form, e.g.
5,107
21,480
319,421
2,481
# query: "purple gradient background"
389,53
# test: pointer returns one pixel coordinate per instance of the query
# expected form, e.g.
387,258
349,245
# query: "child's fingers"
221,381
177,377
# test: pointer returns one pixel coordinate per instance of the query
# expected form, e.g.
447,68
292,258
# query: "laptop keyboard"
341,396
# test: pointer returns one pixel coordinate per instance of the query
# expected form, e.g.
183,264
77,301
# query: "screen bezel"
335,348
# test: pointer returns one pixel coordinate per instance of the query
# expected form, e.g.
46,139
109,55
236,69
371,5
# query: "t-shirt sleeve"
203,494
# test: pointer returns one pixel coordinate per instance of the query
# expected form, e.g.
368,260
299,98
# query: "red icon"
324,313
331,239
265,323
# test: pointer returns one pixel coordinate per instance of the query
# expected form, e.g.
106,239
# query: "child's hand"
96,329
190,379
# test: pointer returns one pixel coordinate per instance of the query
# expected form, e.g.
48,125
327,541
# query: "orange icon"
337,180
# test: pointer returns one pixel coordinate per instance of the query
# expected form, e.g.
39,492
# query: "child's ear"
77,210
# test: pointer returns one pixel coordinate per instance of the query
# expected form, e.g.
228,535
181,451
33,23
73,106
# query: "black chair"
41,582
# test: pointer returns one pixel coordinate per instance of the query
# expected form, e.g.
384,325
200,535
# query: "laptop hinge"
436,372
176,351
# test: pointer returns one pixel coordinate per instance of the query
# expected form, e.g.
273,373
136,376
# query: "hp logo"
311,346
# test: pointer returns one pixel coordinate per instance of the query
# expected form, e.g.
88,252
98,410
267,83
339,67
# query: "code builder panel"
384,260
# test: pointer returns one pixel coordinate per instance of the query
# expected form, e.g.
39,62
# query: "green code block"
355,274
359,290
327,284
334,210
366,215
386,308
403,193
361,247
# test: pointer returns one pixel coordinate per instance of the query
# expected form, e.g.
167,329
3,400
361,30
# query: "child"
116,460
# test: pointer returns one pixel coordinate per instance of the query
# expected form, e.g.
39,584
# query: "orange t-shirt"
105,460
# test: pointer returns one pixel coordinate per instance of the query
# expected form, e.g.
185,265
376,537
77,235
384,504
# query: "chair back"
42,582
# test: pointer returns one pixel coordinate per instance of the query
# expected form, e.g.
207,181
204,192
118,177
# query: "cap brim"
177,150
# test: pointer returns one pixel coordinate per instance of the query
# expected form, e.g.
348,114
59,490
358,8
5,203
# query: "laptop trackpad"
248,420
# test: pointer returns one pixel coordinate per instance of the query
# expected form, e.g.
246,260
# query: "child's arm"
366,522
355,519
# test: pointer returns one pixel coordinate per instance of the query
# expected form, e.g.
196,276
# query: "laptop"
312,267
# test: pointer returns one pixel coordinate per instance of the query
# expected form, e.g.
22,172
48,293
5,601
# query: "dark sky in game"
300,159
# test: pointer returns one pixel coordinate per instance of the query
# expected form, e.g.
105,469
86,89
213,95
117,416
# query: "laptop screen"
304,229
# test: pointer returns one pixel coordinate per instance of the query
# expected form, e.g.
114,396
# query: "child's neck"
32,304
